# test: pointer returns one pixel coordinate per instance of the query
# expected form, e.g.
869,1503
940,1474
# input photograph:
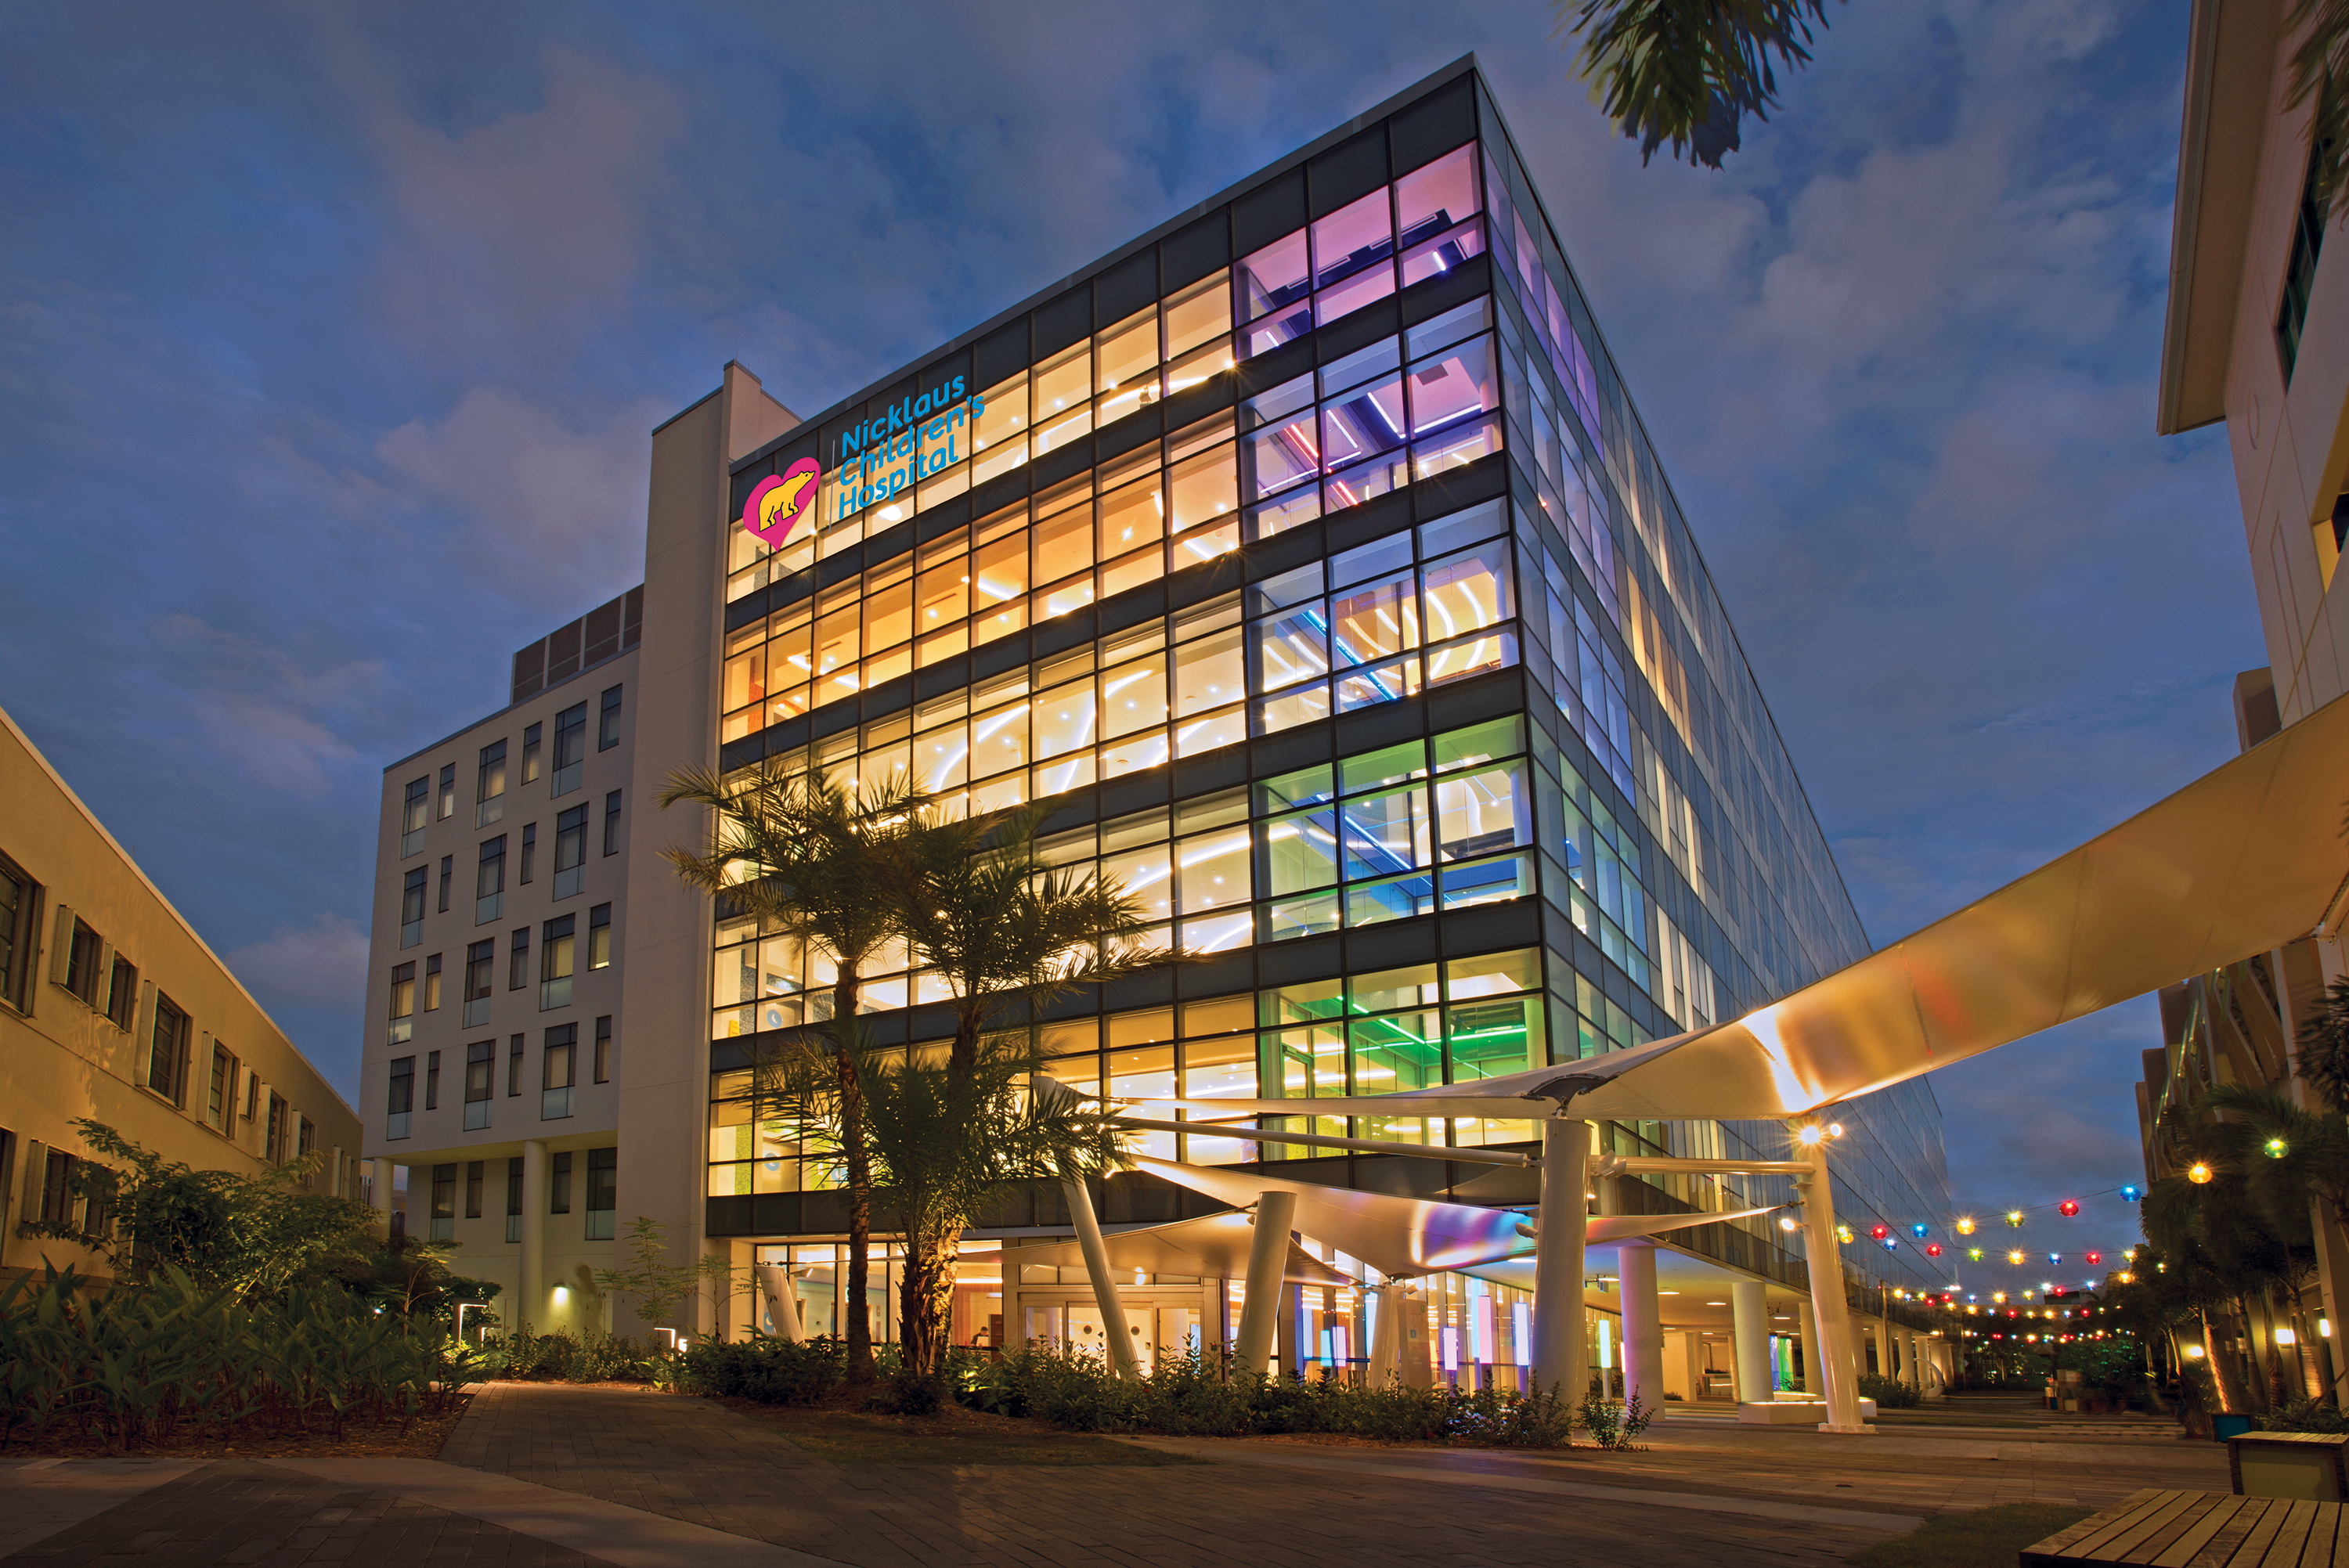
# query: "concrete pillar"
1418,1343
530,1302
1560,1358
1386,1365
1275,1215
1288,1336
1912,1353
1749,1316
1644,1330
1105,1298
1806,1323
1836,1349
382,1197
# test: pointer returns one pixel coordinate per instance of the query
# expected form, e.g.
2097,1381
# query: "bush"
1194,1395
2307,1416
913,1394
1890,1393
524,1353
143,1363
770,1371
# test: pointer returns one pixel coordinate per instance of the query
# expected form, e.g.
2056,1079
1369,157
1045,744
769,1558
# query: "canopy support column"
1268,1270
1838,1372
1749,1319
1559,1360
1104,1283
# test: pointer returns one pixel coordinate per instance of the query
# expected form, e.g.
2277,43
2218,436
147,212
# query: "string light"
2276,1148
1932,1249
2015,1258
2132,1191
2095,1259
1974,1254
1844,1235
2015,1218
1919,1230
1966,1225
2200,1172
2069,1208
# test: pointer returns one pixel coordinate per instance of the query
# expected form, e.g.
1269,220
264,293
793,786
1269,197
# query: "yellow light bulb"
2200,1174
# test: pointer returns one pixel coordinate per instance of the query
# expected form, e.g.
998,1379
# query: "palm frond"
1686,72
2320,71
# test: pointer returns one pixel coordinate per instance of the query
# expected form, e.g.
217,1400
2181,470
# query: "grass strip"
1986,1538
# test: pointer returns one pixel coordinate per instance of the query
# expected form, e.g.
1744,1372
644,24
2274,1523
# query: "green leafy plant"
660,1288
1890,1393
1687,72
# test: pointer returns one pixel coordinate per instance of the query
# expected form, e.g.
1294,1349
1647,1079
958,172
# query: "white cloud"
319,964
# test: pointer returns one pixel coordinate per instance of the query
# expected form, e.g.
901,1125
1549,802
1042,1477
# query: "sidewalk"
555,1475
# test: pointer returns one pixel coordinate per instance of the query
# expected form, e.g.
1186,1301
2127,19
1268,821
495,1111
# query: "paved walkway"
561,1475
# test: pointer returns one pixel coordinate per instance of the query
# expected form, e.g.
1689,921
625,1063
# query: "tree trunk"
858,1159
925,1304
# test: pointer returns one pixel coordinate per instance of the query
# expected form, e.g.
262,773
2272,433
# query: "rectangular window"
83,952
432,984
599,937
570,749
432,1081
514,1068
444,1203
412,909
449,790
403,1005
557,954
603,1049
475,1170
167,1051
2299,274
518,960
490,785
447,872
19,895
612,823
220,1100
57,1187
531,752
251,1095
603,1191
122,992
281,1123
481,960
558,1184
571,852
607,730
529,852
413,813
490,882
560,1072
513,1200
481,1070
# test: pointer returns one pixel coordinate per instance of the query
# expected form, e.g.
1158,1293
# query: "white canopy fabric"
2245,859
1407,1236
1213,1247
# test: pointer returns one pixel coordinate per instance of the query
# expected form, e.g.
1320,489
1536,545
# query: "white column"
1418,1342
1267,1267
1643,1331
1839,1375
530,1302
1560,1359
1105,1298
1749,1317
381,1196
1806,1323
1385,1367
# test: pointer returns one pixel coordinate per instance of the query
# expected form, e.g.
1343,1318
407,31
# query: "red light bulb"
2069,1208
1878,1232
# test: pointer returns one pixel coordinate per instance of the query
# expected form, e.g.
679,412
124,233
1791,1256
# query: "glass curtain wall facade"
1309,554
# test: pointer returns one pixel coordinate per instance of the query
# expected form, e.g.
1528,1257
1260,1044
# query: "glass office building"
1308,555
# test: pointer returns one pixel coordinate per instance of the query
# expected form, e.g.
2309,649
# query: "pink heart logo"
777,503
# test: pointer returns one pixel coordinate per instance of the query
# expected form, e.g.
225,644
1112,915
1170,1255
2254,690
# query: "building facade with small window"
113,1009
1307,555
493,1010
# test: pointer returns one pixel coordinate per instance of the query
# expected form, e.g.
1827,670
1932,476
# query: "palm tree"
2324,1046
947,1136
1006,932
830,865
1008,936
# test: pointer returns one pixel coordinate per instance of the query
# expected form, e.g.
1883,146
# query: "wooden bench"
2160,1527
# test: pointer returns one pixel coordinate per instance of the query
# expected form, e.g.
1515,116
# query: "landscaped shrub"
137,1364
771,1371
593,1357
1890,1393
1190,1396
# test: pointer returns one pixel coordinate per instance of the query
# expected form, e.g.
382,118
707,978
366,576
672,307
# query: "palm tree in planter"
1008,936
831,865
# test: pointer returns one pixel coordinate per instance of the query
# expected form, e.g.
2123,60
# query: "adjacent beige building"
2258,337
113,1008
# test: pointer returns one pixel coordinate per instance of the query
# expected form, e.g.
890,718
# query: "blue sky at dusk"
331,340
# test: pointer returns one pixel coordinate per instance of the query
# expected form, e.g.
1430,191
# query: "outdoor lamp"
1809,1135
2287,1336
